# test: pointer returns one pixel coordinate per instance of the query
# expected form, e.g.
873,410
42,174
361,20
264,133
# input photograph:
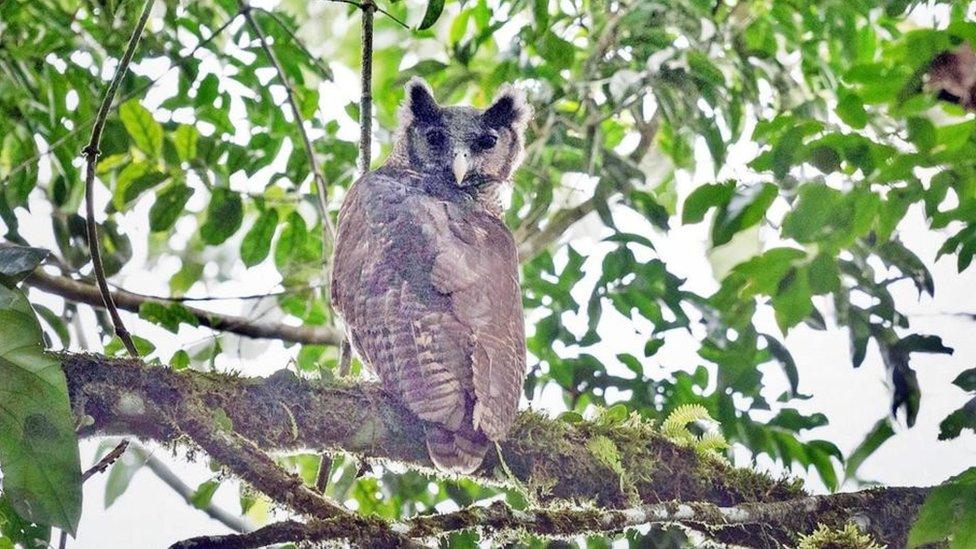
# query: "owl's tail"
456,451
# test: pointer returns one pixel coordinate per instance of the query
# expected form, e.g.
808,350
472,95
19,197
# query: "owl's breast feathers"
427,284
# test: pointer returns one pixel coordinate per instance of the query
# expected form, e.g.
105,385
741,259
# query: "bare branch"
361,6
320,184
91,155
366,81
242,457
99,467
165,474
80,292
294,38
107,460
558,224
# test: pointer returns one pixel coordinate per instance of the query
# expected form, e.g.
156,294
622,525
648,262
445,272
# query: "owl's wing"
404,329
476,264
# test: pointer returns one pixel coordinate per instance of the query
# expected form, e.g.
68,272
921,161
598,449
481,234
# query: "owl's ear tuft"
420,104
510,108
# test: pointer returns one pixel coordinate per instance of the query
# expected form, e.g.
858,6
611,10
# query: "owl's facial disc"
468,147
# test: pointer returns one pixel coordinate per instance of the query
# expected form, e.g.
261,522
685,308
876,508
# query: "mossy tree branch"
550,457
744,524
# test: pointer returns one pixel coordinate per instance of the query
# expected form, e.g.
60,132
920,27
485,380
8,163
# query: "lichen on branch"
648,474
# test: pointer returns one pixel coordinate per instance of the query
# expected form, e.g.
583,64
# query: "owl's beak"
460,166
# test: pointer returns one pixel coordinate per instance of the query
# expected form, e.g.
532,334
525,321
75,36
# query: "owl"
425,273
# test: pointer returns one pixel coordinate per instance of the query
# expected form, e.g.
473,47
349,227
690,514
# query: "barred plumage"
425,273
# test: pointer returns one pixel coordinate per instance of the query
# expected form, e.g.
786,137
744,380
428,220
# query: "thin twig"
322,479
82,126
91,153
202,298
165,474
80,292
99,467
107,460
375,7
294,38
320,185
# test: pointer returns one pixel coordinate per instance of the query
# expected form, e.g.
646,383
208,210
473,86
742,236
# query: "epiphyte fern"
675,428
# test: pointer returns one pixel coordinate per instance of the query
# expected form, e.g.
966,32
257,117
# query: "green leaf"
540,14
14,529
56,322
257,241
224,216
185,278
745,208
793,301
185,140
704,198
170,204
556,51
966,380
701,66
877,436
948,511
207,91
433,13
954,423
16,262
115,347
180,360
159,314
121,473
784,151
785,358
291,241
134,180
38,447
953,136
918,343
146,133
850,109
204,493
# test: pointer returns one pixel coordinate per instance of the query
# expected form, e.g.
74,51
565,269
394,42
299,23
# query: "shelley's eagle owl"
425,274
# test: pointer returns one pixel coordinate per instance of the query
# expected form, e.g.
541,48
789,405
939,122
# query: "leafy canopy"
827,99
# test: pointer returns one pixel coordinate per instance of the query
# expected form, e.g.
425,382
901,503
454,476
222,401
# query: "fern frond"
676,425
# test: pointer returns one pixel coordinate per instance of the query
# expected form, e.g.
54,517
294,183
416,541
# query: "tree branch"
167,475
366,82
550,457
285,413
91,153
747,523
320,184
558,224
80,292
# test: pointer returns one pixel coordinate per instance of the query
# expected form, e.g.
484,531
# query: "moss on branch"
554,459
282,412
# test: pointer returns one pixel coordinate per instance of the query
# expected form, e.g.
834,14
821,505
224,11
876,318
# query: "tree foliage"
810,124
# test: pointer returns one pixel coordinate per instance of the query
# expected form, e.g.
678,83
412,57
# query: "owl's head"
469,145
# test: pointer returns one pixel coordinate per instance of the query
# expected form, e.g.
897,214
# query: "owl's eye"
436,137
485,141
